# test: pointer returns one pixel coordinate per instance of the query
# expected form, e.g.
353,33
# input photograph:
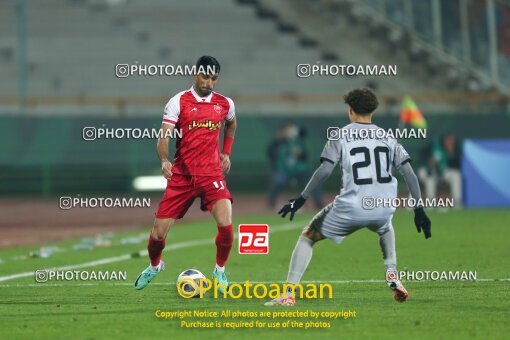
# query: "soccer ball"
188,283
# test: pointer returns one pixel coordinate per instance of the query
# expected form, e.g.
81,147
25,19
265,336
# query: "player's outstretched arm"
421,220
228,140
318,178
162,147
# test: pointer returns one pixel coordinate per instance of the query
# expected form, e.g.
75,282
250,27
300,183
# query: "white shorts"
336,224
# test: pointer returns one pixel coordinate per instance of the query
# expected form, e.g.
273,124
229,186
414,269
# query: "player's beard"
205,91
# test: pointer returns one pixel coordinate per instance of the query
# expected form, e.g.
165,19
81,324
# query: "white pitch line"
180,245
108,260
110,283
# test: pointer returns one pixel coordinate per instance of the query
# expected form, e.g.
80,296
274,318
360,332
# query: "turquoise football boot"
147,275
222,279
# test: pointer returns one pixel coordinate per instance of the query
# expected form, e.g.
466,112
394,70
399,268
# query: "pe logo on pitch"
253,238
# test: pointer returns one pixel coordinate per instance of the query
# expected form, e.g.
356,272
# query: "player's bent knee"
161,227
222,212
158,236
312,234
223,222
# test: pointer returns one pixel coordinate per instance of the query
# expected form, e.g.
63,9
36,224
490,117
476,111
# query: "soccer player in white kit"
365,159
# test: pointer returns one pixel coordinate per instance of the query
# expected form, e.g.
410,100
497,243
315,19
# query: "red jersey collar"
201,99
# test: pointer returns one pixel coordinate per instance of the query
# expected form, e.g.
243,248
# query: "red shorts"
182,190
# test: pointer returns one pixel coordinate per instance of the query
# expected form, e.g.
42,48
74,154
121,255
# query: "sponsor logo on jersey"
207,124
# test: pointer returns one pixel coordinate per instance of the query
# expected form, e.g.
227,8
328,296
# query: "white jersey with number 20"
366,161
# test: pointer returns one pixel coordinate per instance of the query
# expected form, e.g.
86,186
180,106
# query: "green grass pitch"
470,240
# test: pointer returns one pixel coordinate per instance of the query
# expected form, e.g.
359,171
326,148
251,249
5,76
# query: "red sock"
224,240
155,249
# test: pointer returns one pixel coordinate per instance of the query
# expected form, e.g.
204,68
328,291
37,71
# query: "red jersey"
199,119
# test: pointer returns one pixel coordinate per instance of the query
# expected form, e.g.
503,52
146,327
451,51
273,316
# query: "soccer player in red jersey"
198,166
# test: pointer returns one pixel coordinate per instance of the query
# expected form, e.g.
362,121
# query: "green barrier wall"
47,156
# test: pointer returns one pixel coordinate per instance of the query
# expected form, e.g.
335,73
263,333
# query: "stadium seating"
73,48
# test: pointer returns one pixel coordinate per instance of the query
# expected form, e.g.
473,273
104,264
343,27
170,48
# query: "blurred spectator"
443,164
287,155
272,149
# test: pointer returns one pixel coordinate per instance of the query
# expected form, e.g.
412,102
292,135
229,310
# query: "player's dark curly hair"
206,61
362,101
